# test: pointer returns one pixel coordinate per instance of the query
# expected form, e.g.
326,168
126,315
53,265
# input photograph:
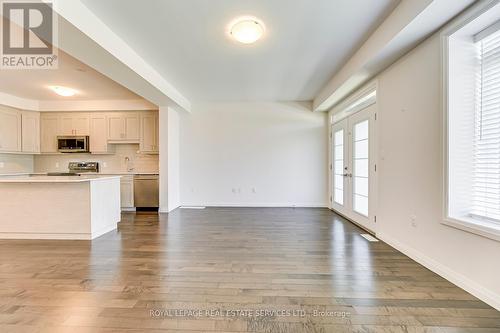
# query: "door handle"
347,175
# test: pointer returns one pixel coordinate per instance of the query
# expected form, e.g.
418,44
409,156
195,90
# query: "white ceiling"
306,42
90,84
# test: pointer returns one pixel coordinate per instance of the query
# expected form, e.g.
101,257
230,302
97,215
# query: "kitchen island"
51,207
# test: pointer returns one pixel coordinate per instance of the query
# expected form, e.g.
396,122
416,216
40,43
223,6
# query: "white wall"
229,149
174,199
16,163
163,157
411,177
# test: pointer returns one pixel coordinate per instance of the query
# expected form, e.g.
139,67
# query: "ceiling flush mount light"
246,30
63,91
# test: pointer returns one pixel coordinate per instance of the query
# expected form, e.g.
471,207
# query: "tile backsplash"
125,158
16,163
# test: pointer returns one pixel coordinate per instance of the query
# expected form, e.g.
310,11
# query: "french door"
353,167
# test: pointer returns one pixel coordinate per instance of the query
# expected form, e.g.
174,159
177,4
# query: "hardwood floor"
308,268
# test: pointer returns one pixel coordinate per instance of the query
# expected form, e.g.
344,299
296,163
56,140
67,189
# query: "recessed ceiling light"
247,30
63,91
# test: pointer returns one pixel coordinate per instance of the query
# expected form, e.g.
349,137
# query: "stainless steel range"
81,167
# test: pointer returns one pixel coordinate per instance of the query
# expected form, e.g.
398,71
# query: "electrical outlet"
413,219
104,164
57,164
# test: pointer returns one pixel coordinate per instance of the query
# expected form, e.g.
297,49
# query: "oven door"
73,144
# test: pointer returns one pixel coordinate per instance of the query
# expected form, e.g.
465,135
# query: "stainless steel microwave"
73,144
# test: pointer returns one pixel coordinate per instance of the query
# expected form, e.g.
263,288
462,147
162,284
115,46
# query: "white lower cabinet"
127,192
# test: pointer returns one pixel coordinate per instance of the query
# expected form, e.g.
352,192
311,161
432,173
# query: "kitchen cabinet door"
116,126
123,126
149,132
30,131
127,192
131,126
10,130
75,123
81,124
66,125
49,129
98,133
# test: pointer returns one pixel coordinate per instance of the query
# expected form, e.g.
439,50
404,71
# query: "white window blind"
486,163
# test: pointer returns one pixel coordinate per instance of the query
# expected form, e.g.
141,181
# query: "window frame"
481,227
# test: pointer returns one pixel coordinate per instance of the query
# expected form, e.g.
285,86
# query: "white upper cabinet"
75,123
103,129
132,126
30,131
98,133
149,132
10,130
49,130
66,125
81,123
116,127
123,126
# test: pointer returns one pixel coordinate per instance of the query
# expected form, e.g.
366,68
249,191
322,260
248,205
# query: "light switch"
2,165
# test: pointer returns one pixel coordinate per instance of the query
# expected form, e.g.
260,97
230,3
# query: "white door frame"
341,115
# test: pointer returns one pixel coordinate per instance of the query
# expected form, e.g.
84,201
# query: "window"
360,170
338,167
471,49
486,167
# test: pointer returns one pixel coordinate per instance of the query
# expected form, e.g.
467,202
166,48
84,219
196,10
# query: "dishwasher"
146,192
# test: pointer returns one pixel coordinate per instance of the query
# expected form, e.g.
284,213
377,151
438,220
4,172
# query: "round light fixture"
247,30
63,91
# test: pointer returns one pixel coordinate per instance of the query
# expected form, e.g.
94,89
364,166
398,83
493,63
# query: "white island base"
42,207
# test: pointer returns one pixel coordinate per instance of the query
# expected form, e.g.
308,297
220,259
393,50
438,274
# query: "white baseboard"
29,235
105,230
458,279
247,205
260,205
171,209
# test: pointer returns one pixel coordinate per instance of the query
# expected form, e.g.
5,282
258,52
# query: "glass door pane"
338,167
360,171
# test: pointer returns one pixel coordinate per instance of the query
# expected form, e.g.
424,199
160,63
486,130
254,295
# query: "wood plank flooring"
229,270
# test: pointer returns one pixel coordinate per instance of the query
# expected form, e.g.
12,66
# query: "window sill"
479,227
